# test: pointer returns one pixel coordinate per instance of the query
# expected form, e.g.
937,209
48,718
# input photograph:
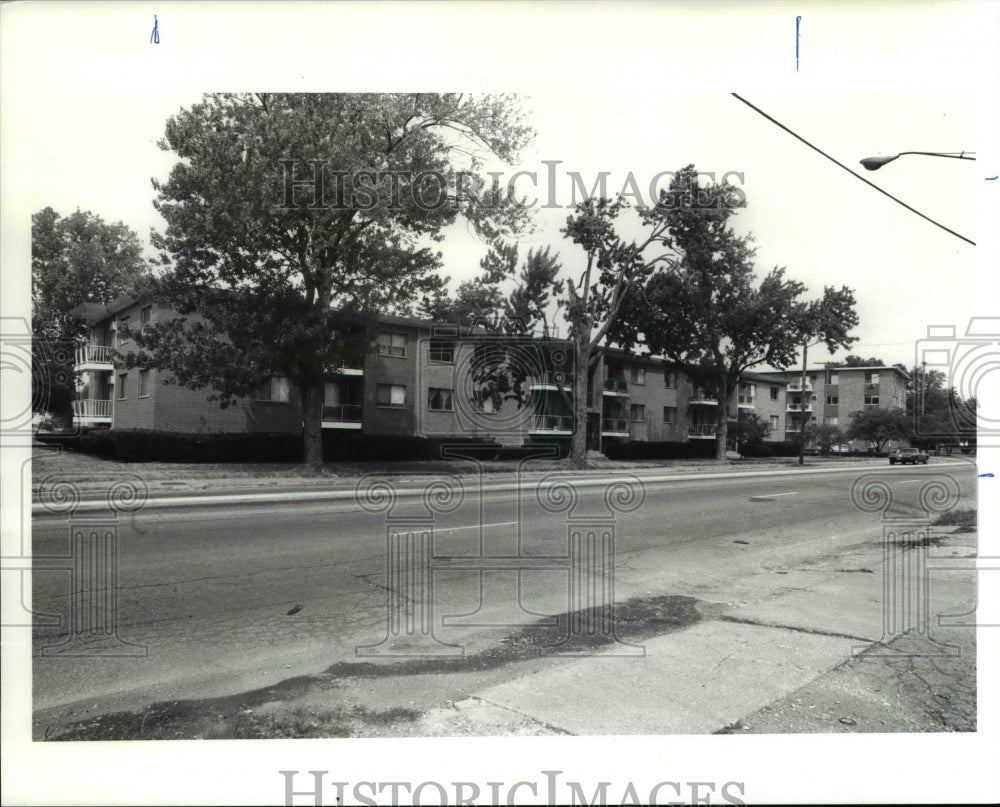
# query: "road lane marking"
770,497
442,530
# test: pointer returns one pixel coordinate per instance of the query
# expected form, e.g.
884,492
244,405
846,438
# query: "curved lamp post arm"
874,163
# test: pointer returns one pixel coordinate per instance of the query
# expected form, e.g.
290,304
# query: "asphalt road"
217,600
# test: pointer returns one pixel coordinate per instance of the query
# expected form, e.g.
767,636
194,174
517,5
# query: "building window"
871,400
774,393
144,383
834,421
146,316
273,389
670,415
774,423
438,399
442,352
637,412
871,378
122,378
639,375
390,395
392,344
834,378
670,379
832,400
121,331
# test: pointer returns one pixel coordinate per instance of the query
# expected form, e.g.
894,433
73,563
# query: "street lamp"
874,163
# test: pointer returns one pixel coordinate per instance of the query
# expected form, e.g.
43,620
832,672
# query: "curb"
209,500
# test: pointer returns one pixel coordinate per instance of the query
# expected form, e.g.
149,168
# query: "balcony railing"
553,378
746,400
615,385
92,409
342,413
702,430
794,407
796,386
94,354
703,398
552,423
614,426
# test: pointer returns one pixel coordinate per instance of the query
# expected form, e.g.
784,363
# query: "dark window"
143,383
639,375
637,412
390,395
774,393
670,379
392,344
832,400
273,388
443,352
439,399
122,378
670,414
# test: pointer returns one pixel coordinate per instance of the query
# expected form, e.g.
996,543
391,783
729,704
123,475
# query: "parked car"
905,455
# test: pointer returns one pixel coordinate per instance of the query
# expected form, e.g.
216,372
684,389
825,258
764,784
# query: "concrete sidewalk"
754,655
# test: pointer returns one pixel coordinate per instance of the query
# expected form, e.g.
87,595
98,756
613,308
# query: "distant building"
832,394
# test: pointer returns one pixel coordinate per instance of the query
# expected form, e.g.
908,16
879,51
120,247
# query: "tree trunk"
312,422
578,443
722,420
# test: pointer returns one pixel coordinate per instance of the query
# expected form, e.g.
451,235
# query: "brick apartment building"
832,394
419,378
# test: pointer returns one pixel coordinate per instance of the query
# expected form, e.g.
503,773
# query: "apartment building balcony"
94,358
746,401
794,407
342,416
701,398
702,431
553,380
796,386
343,369
614,427
561,425
91,411
616,386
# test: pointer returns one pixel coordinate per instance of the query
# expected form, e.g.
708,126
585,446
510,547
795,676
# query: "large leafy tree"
706,308
75,259
614,269
878,426
290,218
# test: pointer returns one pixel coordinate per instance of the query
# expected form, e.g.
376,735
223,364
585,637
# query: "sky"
625,87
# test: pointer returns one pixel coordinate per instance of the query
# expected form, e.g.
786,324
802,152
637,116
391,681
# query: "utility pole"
802,407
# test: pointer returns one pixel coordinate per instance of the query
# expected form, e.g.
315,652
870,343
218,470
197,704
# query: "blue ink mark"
989,475
797,21
990,179
154,38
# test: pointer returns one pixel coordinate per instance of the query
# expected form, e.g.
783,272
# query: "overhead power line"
850,171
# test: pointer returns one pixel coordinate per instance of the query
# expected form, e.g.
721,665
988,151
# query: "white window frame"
143,384
441,347
120,393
